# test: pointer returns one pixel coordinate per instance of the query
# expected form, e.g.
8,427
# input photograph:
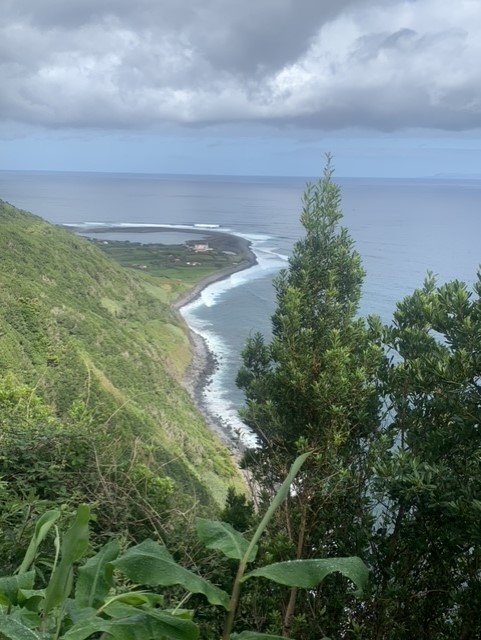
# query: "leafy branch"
99,607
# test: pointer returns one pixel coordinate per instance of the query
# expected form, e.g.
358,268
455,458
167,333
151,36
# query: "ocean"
402,228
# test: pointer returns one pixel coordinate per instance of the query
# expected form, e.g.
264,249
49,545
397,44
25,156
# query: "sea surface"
402,229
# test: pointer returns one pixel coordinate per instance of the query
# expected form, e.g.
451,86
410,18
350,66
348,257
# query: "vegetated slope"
93,339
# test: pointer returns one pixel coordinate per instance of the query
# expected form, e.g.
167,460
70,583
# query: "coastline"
204,362
250,260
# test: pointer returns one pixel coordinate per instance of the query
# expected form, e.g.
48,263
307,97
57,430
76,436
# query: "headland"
216,254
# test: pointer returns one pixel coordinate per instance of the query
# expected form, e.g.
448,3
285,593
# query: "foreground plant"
99,608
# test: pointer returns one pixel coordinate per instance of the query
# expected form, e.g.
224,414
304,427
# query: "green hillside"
100,352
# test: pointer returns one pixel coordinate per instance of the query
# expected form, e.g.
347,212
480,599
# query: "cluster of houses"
201,247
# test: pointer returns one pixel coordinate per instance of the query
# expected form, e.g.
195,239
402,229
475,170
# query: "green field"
178,262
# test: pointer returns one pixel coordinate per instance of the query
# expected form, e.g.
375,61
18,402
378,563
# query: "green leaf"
95,576
176,627
308,574
74,546
151,564
11,585
44,523
185,614
222,536
253,635
279,498
14,630
76,540
140,626
30,599
115,607
26,617
76,614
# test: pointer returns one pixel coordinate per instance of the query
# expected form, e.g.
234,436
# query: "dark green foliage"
238,511
312,381
393,416
314,388
101,601
428,544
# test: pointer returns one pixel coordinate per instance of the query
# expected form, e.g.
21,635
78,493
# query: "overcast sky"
390,87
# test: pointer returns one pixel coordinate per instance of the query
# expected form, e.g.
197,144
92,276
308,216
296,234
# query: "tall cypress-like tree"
312,387
393,416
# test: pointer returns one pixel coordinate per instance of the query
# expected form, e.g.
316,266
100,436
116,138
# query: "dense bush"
107,599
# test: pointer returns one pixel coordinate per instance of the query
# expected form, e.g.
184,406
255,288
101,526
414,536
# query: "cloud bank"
299,63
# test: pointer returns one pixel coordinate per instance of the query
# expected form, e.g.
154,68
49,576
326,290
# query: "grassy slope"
77,326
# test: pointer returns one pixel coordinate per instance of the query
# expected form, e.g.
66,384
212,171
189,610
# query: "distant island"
458,176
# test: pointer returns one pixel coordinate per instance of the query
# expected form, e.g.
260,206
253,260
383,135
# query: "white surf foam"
145,225
268,261
216,394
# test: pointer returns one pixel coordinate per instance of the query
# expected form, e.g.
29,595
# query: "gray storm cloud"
329,65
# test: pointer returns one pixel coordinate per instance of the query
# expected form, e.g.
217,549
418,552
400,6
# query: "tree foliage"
313,387
428,542
393,415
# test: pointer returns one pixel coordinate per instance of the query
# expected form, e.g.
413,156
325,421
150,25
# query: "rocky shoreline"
204,363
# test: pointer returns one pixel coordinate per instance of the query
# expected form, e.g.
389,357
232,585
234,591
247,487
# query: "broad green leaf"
176,627
14,630
140,626
74,546
222,536
95,576
11,585
76,540
27,618
185,614
253,635
116,606
31,599
76,614
42,527
151,564
279,498
308,574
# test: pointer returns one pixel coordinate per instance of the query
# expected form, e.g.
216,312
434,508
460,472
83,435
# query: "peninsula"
207,256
